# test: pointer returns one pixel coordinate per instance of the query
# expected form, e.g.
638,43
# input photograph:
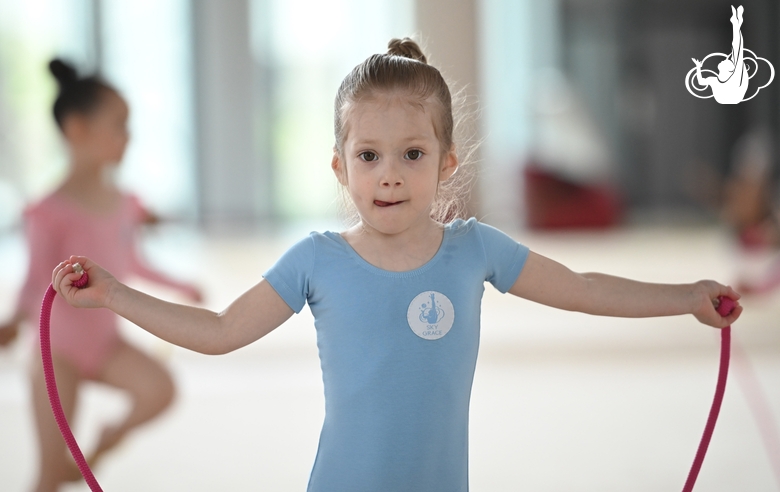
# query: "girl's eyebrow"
408,140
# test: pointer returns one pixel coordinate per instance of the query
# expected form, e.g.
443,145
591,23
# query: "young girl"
87,213
396,298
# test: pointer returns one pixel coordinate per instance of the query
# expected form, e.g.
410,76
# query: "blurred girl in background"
87,213
751,209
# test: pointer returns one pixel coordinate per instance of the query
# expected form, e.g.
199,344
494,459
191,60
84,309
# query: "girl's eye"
413,155
368,156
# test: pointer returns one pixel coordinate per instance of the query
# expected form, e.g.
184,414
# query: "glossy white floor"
561,401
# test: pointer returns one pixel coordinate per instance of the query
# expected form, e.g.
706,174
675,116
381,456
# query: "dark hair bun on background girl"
76,95
406,48
63,72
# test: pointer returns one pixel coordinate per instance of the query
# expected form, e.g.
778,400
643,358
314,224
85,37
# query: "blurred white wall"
146,51
518,40
232,102
228,173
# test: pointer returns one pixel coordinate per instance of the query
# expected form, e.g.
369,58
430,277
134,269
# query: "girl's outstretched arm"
253,315
547,282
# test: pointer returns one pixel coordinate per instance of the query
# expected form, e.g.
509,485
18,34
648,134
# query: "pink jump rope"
51,383
725,306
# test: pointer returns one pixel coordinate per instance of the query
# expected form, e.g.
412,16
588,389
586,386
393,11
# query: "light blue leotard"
398,351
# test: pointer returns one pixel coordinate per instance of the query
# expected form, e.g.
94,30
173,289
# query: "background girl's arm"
547,282
253,315
144,217
139,268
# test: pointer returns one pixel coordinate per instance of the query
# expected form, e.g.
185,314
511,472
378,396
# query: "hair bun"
63,72
406,48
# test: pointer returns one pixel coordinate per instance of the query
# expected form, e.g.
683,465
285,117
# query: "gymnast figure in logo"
431,315
731,84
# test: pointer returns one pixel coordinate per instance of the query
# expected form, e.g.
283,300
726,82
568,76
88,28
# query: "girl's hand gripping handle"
715,305
83,280
725,306
82,283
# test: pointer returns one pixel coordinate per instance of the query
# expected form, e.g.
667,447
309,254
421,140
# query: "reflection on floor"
561,401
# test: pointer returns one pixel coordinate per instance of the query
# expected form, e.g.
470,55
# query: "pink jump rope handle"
724,308
51,383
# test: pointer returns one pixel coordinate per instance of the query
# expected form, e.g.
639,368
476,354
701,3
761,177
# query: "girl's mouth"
380,203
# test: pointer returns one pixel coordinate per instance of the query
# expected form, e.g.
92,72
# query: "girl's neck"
91,187
400,252
92,176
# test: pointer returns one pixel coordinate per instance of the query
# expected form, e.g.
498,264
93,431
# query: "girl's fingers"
728,291
730,318
64,272
711,316
56,271
61,282
58,274
725,291
734,314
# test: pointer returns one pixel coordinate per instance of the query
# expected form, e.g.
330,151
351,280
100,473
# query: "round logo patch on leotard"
430,315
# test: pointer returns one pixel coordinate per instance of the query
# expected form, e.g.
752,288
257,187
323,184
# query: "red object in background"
555,203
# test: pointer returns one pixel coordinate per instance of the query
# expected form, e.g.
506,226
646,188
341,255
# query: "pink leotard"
57,228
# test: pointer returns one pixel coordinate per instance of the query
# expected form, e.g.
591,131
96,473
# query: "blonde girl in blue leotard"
397,376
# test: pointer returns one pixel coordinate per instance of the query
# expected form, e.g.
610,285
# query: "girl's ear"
449,165
75,128
339,168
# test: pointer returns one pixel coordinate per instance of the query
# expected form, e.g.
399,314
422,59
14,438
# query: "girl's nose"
390,183
391,177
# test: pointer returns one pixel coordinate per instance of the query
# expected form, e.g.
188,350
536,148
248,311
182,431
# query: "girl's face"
392,163
102,134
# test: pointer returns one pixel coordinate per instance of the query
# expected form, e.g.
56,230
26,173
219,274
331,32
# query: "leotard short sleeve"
504,257
290,275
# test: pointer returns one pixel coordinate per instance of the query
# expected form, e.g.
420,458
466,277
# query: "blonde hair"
404,69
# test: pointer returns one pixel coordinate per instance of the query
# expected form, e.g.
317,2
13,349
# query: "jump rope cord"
51,383
725,306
